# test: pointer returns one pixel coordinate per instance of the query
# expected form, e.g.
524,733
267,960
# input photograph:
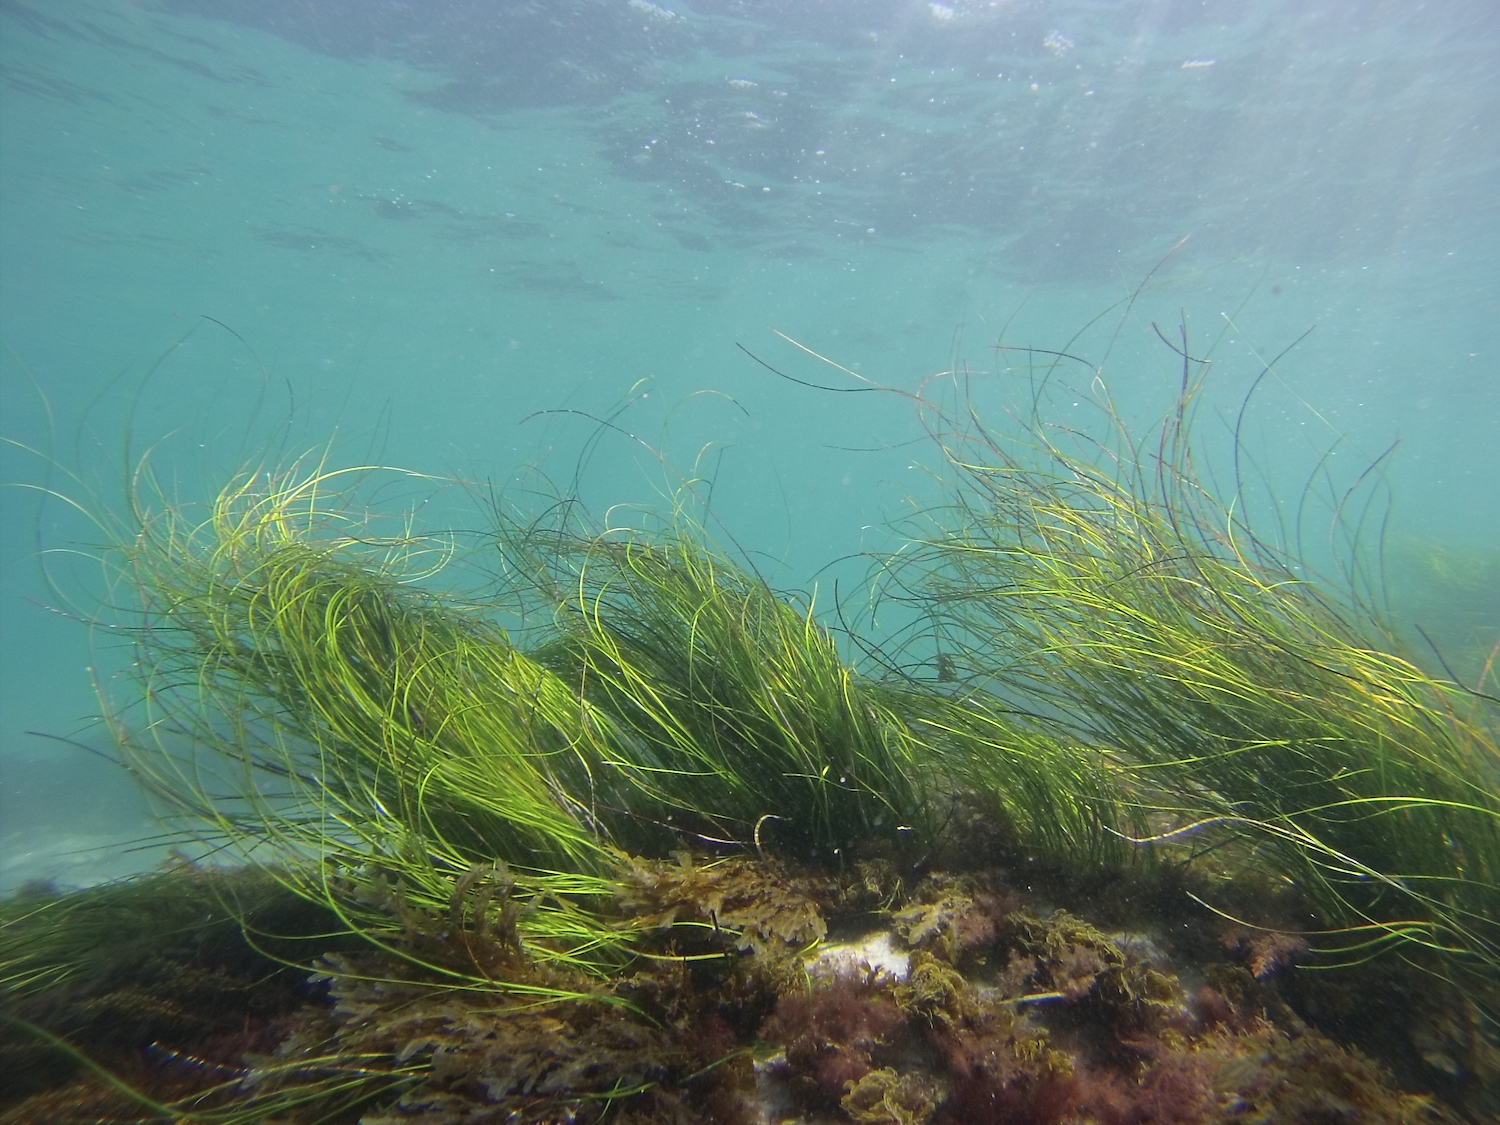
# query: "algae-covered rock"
884,1097
1047,1018
759,904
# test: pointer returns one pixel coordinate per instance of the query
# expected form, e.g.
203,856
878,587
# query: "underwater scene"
774,562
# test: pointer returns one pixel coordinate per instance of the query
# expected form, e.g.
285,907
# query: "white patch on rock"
875,953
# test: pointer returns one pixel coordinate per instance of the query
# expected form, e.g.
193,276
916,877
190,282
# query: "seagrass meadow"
1129,817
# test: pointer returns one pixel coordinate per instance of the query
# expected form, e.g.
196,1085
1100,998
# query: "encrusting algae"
1172,835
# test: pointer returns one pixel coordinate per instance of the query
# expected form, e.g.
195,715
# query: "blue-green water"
416,226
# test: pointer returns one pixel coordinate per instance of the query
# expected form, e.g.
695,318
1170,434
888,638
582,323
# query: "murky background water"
233,229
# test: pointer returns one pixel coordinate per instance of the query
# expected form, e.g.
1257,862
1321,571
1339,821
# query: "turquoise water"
450,236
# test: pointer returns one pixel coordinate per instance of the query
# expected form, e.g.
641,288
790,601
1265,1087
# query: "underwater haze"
458,235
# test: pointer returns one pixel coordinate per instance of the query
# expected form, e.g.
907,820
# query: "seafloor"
972,987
